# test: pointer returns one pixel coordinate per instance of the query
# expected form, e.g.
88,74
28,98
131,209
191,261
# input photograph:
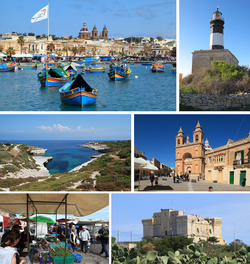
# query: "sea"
66,155
21,91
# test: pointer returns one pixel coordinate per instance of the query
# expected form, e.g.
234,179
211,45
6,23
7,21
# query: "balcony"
242,163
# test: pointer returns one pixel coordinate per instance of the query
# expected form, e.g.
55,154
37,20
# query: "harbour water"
66,155
21,91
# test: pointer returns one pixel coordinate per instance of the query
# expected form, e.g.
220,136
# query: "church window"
197,230
209,160
196,138
166,233
178,142
210,231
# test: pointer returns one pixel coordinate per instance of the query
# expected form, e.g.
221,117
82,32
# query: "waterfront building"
170,222
202,58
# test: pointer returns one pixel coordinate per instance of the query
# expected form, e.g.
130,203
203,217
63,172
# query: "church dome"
207,146
84,29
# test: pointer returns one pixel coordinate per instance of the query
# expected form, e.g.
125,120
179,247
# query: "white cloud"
46,128
61,128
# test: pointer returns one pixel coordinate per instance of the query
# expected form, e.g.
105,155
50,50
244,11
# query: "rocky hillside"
109,171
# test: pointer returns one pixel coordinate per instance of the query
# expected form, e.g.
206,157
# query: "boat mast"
48,21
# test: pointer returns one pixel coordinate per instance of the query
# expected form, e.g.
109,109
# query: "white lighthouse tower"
216,35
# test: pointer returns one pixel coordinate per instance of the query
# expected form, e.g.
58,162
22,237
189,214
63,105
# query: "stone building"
229,163
190,156
169,222
202,58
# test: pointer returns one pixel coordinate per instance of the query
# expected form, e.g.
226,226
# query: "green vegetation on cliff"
110,172
223,78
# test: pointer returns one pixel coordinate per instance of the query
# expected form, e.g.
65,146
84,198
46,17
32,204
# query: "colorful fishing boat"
89,61
119,72
27,66
70,69
173,69
145,63
158,67
91,69
78,92
78,64
5,67
51,63
53,77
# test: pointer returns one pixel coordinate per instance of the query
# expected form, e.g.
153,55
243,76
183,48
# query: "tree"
213,240
21,41
59,52
74,50
159,38
31,34
67,49
51,47
10,51
152,40
93,50
1,48
81,49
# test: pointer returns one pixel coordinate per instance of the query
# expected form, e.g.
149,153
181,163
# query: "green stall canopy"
43,218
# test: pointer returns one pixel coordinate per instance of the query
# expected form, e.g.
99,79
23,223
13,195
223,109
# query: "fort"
170,222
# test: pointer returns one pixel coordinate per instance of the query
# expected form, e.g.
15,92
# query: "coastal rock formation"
37,151
100,147
21,160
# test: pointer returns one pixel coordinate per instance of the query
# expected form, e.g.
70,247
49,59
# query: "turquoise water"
21,91
66,156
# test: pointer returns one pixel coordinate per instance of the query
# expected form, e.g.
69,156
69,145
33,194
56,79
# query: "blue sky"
195,29
122,18
155,134
129,209
65,127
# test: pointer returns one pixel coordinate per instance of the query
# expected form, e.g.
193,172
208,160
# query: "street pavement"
166,184
93,256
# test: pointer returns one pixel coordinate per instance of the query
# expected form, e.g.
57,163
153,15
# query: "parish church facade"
228,164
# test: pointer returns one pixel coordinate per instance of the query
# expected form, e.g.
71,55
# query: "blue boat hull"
77,97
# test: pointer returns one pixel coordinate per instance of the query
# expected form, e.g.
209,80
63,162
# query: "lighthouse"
216,35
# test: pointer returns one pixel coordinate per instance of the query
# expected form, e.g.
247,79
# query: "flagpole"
48,21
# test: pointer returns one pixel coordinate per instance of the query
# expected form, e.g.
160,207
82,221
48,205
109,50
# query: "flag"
42,14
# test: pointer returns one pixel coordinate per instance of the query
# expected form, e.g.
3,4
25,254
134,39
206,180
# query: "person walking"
103,234
84,237
151,177
244,181
73,237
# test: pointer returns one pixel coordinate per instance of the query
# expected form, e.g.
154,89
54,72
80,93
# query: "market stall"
78,205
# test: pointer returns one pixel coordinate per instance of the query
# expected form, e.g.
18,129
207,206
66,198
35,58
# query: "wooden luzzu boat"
53,77
158,67
91,69
71,69
78,92
4,67
27,66
119,72
173,69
